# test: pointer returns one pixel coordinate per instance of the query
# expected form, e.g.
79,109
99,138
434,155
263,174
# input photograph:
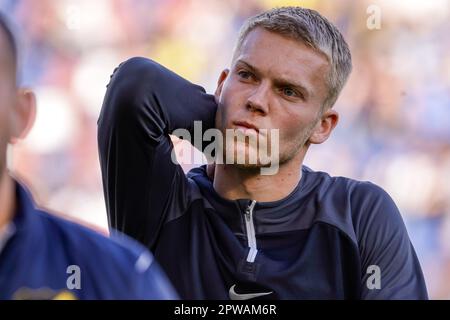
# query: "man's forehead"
262,39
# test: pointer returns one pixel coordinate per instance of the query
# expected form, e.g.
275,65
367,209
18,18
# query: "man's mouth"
246,127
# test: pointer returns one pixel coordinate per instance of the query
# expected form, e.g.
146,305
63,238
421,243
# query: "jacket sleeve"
390,267
144,103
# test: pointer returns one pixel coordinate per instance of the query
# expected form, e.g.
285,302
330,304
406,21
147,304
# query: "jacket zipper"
251,237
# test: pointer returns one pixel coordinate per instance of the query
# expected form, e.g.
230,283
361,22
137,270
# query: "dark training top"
331,238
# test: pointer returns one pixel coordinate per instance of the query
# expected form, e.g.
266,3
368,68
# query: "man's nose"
258,101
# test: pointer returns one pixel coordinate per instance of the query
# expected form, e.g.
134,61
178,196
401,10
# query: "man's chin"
247,166
253,162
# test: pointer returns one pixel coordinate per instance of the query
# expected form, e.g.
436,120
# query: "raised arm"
144,103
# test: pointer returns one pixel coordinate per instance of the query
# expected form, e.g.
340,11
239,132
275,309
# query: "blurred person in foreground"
43,256
225,230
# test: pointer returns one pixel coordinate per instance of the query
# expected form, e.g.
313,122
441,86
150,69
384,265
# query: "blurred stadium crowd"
395,110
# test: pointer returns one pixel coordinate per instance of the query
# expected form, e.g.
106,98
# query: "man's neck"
7,202
232,182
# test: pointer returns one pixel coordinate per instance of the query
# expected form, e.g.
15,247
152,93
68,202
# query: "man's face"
274,83
8,96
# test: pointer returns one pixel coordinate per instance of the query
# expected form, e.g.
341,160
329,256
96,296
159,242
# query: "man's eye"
289,92
244,74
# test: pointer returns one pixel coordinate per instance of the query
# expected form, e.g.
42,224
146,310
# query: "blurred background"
395,110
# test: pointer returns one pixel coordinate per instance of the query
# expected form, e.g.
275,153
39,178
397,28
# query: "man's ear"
24,114
222,77
324,127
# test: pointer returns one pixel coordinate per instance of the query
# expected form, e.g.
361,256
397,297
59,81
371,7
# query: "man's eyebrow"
279,81
248,65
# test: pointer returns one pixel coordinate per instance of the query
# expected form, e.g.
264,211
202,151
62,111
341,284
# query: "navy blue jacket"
331,238
46,257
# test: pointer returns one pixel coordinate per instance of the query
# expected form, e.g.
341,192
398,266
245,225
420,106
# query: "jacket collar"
268,216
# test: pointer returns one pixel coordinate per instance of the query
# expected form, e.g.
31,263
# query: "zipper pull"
249,210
